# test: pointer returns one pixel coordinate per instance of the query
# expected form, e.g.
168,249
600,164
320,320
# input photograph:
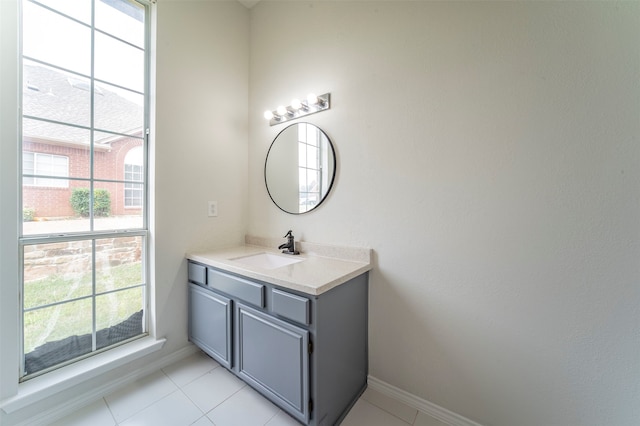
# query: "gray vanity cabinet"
273,356
210,319
306,353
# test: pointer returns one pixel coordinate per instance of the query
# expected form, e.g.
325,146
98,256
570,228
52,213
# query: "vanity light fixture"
296,105
298,108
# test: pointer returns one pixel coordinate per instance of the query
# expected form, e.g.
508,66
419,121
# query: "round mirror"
300,168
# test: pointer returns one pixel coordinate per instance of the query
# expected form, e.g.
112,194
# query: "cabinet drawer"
243,289
197,273
290,306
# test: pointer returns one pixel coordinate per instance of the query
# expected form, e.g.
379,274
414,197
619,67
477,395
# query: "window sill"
56,381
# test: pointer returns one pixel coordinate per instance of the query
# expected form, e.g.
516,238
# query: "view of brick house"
52,149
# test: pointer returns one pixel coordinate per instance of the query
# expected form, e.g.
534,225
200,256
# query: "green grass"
75,318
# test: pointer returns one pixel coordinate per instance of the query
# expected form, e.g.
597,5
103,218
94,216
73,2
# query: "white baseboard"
436,411
51,415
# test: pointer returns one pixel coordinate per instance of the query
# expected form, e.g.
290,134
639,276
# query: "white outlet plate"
213,209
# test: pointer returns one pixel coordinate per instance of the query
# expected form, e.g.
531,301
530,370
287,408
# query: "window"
35,164
310,161
83,250
133,172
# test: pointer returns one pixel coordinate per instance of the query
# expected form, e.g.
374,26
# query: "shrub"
101,202
28,213
80,201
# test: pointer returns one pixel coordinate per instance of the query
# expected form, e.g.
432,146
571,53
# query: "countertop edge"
304,279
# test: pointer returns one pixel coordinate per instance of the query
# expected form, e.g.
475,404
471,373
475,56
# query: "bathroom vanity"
292,327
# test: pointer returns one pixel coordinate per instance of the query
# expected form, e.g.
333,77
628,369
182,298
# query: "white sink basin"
268,260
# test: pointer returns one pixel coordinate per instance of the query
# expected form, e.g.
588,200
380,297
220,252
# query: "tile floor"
197,391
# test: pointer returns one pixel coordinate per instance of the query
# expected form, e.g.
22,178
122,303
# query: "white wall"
488,153
200,153
202,142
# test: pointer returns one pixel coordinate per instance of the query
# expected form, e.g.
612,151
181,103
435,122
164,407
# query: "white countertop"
314,275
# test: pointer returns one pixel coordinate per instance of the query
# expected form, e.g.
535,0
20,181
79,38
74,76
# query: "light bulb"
281,110
268,115
312,99
296,104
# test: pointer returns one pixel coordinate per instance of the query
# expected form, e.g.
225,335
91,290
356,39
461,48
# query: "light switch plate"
213,209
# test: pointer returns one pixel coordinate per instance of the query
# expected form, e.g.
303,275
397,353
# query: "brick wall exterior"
50,202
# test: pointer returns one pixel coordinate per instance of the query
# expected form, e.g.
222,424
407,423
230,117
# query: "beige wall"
488,153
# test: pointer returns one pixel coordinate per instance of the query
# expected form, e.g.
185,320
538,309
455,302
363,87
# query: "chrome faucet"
290,246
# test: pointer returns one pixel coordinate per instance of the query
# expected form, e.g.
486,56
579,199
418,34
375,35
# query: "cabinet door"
273,356
210,323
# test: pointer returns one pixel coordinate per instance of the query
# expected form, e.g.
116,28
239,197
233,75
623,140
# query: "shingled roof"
56,95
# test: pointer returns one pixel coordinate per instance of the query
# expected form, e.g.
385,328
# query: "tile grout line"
181,389
272,417
225,400
394,415
148,405
193,402
192,380
415,416
110,412
205,414
245,385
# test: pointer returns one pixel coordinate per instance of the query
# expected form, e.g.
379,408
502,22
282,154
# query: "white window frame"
94,235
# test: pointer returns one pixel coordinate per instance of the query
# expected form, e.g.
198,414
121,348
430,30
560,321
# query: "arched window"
133,172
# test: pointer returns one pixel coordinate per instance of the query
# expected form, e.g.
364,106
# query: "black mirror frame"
333,175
